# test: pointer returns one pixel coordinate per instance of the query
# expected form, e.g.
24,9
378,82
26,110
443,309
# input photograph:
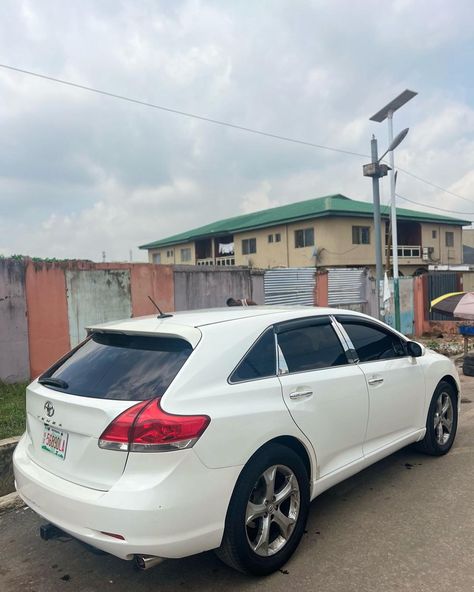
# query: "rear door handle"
374,381
300,395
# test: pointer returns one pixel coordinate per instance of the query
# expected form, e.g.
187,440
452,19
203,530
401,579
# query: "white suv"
214,429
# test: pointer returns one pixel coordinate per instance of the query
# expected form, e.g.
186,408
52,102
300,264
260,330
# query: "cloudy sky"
81,173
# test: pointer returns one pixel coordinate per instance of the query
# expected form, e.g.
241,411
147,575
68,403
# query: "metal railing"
406,251
219,261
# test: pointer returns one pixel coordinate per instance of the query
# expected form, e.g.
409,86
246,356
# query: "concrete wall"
96,296
14,356
44,306
205,288
48,325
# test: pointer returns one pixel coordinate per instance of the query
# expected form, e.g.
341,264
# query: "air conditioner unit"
426,254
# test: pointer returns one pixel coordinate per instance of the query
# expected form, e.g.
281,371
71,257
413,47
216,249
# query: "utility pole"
376,171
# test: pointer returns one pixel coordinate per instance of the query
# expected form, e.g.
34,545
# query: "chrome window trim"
376,326
347,344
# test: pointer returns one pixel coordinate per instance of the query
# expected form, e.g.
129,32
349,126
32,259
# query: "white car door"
395,382
325,393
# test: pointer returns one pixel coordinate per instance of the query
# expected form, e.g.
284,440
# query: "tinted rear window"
260,360
126,367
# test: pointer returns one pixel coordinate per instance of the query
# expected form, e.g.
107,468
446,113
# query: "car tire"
468,365
442,421
261,534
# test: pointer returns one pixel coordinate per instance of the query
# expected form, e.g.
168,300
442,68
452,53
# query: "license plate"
55,441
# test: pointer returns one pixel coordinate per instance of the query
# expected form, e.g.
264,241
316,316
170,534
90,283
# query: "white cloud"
80,173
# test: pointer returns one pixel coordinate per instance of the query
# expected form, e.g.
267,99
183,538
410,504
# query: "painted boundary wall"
14,353
44,306
195,287
37,310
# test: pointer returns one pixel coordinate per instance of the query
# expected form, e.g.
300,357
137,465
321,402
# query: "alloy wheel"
272,510
443,418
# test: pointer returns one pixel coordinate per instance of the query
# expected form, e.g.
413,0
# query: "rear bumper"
165,504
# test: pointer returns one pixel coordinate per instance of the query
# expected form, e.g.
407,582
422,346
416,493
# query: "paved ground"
407,523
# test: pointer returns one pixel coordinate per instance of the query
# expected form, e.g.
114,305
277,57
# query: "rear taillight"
145,427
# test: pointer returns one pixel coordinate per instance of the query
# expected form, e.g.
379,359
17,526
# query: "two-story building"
331,231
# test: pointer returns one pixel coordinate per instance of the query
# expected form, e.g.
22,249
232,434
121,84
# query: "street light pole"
396,281
387,113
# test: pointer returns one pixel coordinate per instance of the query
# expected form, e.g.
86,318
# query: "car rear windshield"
125,367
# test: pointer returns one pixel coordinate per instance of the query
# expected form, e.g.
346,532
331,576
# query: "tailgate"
63,435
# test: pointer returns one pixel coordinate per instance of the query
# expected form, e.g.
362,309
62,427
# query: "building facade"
330,231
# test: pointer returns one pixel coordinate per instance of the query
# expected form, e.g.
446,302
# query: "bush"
12,409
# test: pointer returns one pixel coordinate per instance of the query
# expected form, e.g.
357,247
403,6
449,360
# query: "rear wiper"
54,382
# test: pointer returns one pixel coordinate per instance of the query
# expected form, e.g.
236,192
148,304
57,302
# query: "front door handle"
374,381
300,395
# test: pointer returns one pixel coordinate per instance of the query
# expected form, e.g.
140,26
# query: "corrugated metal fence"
347,286
439,283
293,285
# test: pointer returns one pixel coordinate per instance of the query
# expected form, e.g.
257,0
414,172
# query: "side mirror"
414,349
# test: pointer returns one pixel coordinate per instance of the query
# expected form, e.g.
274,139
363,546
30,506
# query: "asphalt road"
406,523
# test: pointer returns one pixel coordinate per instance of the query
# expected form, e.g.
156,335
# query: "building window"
304,238
249,246
157,258
185,254
361,235
450,239
434,234
270,238
169,253
277,237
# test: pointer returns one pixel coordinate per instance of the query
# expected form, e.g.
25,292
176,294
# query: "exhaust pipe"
147,561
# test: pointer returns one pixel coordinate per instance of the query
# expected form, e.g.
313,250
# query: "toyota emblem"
48,407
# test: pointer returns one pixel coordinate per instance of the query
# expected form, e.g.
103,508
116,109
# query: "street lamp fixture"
387,113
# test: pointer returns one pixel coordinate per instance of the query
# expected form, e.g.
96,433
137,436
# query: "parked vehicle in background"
214,429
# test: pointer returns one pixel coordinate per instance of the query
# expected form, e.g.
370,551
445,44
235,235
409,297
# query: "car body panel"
396,404
173,504
334,418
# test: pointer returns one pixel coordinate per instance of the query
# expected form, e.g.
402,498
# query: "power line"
223,123
435,186
418,203
184,113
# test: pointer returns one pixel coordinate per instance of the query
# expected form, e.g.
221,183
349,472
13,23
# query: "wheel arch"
294,444
452,381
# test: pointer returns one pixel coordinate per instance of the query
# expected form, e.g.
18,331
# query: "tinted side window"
260,360
125,367
312,347
372,343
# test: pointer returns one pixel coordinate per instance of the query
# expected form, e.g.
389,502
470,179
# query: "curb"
11,501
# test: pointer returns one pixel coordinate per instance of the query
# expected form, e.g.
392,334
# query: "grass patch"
12,409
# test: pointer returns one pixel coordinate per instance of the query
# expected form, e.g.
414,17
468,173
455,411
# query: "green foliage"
12,409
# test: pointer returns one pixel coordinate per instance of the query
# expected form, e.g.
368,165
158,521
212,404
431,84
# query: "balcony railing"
406,251
219,261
